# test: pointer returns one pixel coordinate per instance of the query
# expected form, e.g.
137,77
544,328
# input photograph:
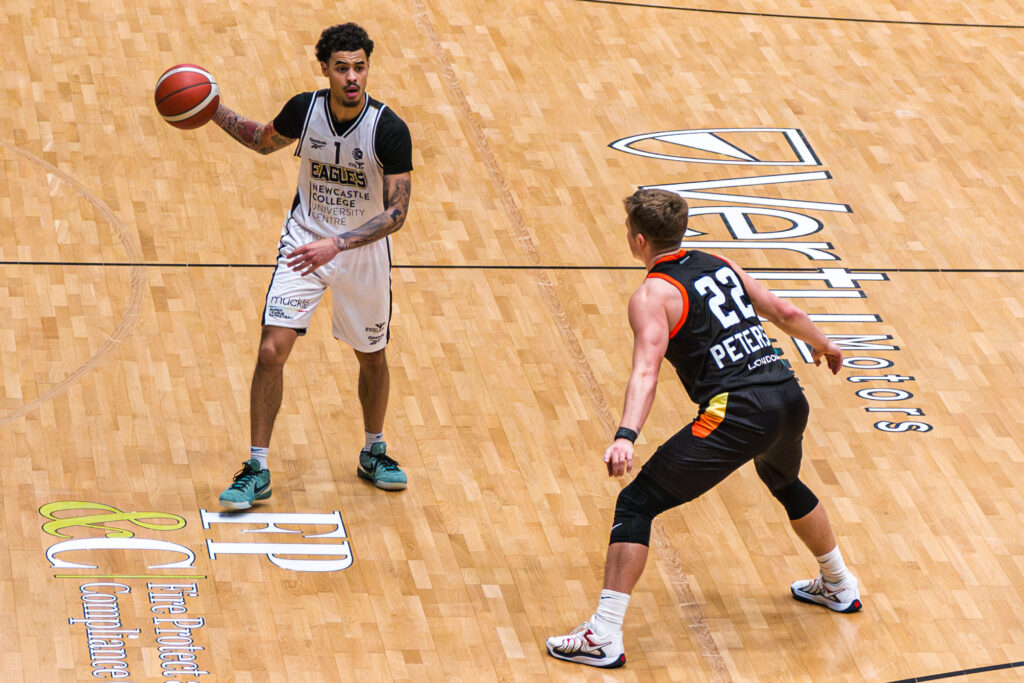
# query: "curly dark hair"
661,216
346,37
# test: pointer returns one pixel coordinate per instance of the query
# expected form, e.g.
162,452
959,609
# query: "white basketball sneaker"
840,597
583,646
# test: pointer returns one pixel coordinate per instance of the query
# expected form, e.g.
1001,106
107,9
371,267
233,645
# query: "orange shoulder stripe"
686,301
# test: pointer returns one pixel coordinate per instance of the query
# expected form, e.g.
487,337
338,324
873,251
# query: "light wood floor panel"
133,268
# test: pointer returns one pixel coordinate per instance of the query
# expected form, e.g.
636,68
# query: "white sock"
833,569
611,610
372,438
259,454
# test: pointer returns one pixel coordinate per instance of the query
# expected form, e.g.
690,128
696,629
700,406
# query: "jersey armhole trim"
305,124
686,301
373,135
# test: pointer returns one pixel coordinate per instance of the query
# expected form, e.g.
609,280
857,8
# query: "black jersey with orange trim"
718,345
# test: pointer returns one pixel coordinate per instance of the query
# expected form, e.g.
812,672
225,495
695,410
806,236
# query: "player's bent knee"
798,500
632,524
637,506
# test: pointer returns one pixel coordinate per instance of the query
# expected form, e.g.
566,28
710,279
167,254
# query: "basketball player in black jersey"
700,312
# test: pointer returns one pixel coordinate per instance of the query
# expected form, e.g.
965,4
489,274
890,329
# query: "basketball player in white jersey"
353,192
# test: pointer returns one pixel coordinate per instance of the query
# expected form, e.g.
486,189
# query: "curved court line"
685,599
131,311
769,15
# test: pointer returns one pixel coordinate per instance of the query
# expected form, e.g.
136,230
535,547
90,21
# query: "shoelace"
243,477
386,463
818,587
576,640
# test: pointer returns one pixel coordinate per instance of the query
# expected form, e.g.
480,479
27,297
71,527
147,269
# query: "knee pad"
637,506
797,499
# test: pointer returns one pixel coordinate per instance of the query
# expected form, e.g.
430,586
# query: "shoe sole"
244,504
386,485
588,661
849,608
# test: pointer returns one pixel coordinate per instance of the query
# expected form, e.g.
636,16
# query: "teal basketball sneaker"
249,485
375,465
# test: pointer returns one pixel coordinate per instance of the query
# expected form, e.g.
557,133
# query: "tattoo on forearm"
242,129
378,227
248,132
397,192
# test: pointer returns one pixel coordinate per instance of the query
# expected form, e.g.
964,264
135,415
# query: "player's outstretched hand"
833,356
619,458
307,258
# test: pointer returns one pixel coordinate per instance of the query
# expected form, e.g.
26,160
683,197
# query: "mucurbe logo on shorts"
284,308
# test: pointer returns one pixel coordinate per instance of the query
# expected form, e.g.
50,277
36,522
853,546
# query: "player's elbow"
265,148
263,140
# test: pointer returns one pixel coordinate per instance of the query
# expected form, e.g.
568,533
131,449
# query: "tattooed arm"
261,137
397,190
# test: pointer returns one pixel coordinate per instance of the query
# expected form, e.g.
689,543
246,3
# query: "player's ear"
323,68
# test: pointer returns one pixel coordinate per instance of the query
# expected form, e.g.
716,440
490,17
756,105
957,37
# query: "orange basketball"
187,96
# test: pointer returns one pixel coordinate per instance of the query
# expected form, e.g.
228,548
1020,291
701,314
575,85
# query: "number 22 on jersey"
717,302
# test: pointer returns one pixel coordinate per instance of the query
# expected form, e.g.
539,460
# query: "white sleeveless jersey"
341,180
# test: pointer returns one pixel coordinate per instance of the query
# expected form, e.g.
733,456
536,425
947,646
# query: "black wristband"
627,434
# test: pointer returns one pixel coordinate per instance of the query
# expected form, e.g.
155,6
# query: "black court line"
124,264
801,16
963,672
413,266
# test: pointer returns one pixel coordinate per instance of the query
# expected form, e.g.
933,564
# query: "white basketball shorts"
360,284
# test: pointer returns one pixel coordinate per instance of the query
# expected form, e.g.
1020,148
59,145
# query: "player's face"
346,72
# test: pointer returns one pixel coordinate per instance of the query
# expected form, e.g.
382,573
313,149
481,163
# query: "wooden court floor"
862,158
